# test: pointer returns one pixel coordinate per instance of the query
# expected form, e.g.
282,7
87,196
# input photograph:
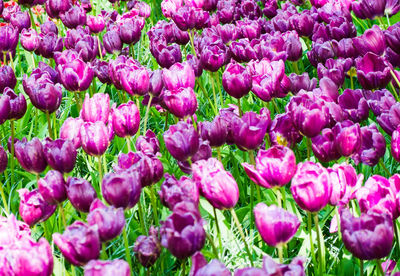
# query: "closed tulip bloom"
55,7
125,119
70,130
216,184
201,267
185,18
354,103
274,167
76,75
395,145
311,187
276,225
29,39
5,108
114,267
88,48
135,81
148,248
96,108
79,243
60,154
324,147
8,38
130,30
7,78
112,42
30,155
214,56
369,236
49,27
49,44
214,132
46,96
148,144
80,193
121,189
373,40
73,17
100,68
95,138
178,75
52,187
368,9
373,71
373,146
182,141
156,83
20,20
33,208
96,24
302,81
3,159
109,220
249,131
181,102
236,80
347,137
17,104
182,232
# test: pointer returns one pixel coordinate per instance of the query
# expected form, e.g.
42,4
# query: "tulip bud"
211,176
214,132
236,80
276,225
373,71
60,154
29,39
33,208
121,189
112,42
135,81
17,104
49,27
52,187
30,155
181,140
70,130
181,102
95,138
76,75
96,24
115,267
347,137
79,243
55,7
214,56
81,193
178,75
109,220
96,108
7,78
148,144
148,248
126,119
20,20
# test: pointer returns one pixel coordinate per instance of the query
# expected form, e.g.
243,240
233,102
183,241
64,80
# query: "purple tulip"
70,130
73,17
7,78
121,189
5,108
367,237
178,75
249,131
182,232
96,108
49,44
45,95
33,208
114,267
274,167
216,184
49,27
88,48
181,140
181,102
109,220
30,155
100,68
148,248
324,147
17,104
214,56
3,160
135,81
96,24
95,138
80,193
112,42
373,146
311,187
8,38
55,7
214,132
276,225
236,80
373,40
347,137
345,48
368,9
52,187
373,71
148,144
125,119
354,104
303,81
76,75
79,243
282,131
130,29
20,20
60,154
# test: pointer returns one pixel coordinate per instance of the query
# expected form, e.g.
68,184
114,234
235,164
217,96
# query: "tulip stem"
215,251
12,150
396,233
33,61
207,97
218,230
213,90
361,267
384,167
3,196
126,244
351,82
104,255
311,238
100,175
397,82
51,134
141,217
219,154
154,203
308,142
278,197
62,215
280,253
240,108
379,267
192,42
296,67
338,222
394,91
235,218
146,116
219,88
128,143
321,252
77,101
388,20
11,61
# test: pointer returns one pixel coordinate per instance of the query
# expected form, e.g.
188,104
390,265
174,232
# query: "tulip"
373,71
311,187
88,48
60,154
112,42
20,20
185,17
100,68
3,160
324,147
249,131
46,96
214,132
76,75
369,236
29,39
121,189
276,225
189,237
52,187
347,137
73,17
95,138
216,185
96,108
354,103
181,102
148,144
126,119
181,140
114,267
80,193
214,56
148,248
70,130
33,208
274,167
96,24
169,7
178,75
174,191
130,30
368,9
48,27
303,81
17,104
79,243
55,7
7,78
373,40
30,155
282,131
373,146
156,83
109,220
242,51
8,38
333,69
135,81
5,108
236,80
49,44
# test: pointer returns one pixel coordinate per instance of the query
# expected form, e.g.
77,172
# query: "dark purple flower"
236,80
181,140
49,27
148,144
126,119
181,102
135,80
303,81
20,20
215,132
49,44
372,71
324,147
3,160
55,7
347,137
30,155
200,267
214,56
373,40
80,193
130,29
95,138
76,75
354,104
60,154
7,78
114,267
52,187
112,42
373,146
148,248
